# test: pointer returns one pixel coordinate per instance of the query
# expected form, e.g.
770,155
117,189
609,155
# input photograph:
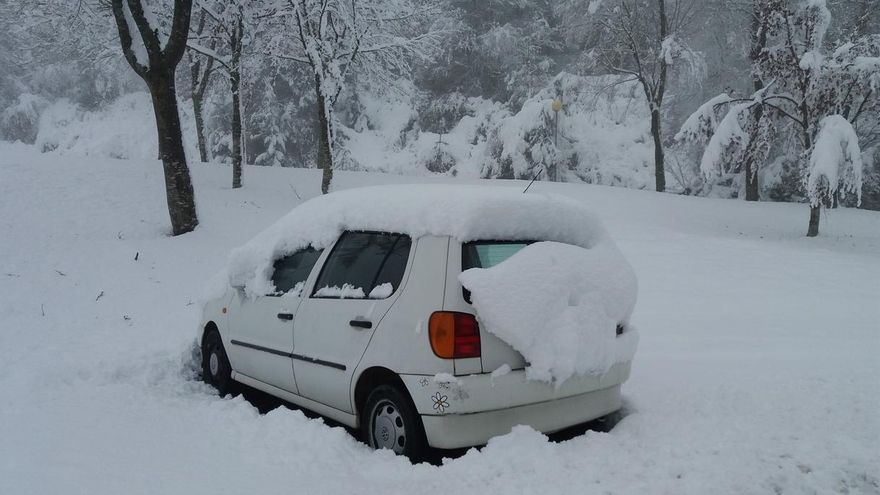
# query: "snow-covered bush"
602,137
835,162
20,121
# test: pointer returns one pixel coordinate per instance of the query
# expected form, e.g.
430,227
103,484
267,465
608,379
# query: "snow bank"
559,306
463,212
124,129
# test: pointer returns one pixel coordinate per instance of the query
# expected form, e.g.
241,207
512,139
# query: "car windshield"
486,254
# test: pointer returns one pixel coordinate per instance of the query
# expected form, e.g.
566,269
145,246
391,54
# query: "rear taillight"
454,335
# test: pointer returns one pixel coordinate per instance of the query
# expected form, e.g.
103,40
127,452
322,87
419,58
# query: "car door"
360,280
262,327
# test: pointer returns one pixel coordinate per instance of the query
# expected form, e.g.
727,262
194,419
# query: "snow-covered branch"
835,162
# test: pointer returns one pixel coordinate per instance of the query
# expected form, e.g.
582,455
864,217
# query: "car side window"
364,265
291,272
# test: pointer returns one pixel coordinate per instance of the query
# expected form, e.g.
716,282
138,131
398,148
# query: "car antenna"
537,174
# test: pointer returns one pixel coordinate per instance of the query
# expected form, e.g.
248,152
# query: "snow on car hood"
464,212
559,305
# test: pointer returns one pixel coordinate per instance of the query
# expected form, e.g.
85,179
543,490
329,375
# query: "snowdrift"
559,305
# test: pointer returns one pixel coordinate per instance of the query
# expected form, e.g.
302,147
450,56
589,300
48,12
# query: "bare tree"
644,39
201,69
228,31
155,60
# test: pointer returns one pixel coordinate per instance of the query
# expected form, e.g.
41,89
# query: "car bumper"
472,409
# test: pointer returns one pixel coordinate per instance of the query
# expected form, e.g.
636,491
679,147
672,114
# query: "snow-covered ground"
757,370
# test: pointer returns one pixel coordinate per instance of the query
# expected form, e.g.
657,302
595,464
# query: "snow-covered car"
433,316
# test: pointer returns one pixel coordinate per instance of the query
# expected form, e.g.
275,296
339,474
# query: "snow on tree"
728,136
700,125
806,85
342,39
835,162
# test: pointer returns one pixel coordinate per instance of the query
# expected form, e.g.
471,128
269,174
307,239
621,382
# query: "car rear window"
486,254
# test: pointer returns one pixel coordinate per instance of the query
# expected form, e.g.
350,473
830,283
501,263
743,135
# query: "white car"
352,307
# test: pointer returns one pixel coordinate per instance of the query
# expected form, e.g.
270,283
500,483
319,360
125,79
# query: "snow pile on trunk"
559,306
466,213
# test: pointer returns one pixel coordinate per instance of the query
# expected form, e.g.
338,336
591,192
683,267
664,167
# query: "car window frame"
329,254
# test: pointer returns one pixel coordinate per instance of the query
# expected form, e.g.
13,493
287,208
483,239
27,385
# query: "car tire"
389,420
216,370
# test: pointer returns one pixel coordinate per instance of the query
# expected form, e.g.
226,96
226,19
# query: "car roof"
463,212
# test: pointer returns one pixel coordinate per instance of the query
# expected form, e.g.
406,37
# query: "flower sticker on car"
440,403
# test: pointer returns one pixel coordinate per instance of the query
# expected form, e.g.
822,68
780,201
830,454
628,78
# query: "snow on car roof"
464,212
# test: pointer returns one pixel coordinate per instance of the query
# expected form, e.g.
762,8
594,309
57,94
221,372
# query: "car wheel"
216,370
390,421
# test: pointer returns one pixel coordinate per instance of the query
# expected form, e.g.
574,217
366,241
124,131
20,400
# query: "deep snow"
757,370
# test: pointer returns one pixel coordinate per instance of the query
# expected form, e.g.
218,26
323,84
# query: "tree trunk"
813,228
659,168
863,25
200,126
158,74
234,79
751,169
235,82
759,43
325,151
198,85
656,101
178,185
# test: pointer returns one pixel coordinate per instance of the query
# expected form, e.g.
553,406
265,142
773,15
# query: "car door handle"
285,316
361,323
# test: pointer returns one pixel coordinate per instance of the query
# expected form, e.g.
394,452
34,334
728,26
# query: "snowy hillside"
756,372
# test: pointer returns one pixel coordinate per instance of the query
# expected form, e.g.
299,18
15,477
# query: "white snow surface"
465,212
382,291
559,306
756,372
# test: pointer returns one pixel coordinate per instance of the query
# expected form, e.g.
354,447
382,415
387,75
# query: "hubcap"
388,429
214,363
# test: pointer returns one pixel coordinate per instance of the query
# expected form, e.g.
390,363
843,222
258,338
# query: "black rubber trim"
307,359
299,357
